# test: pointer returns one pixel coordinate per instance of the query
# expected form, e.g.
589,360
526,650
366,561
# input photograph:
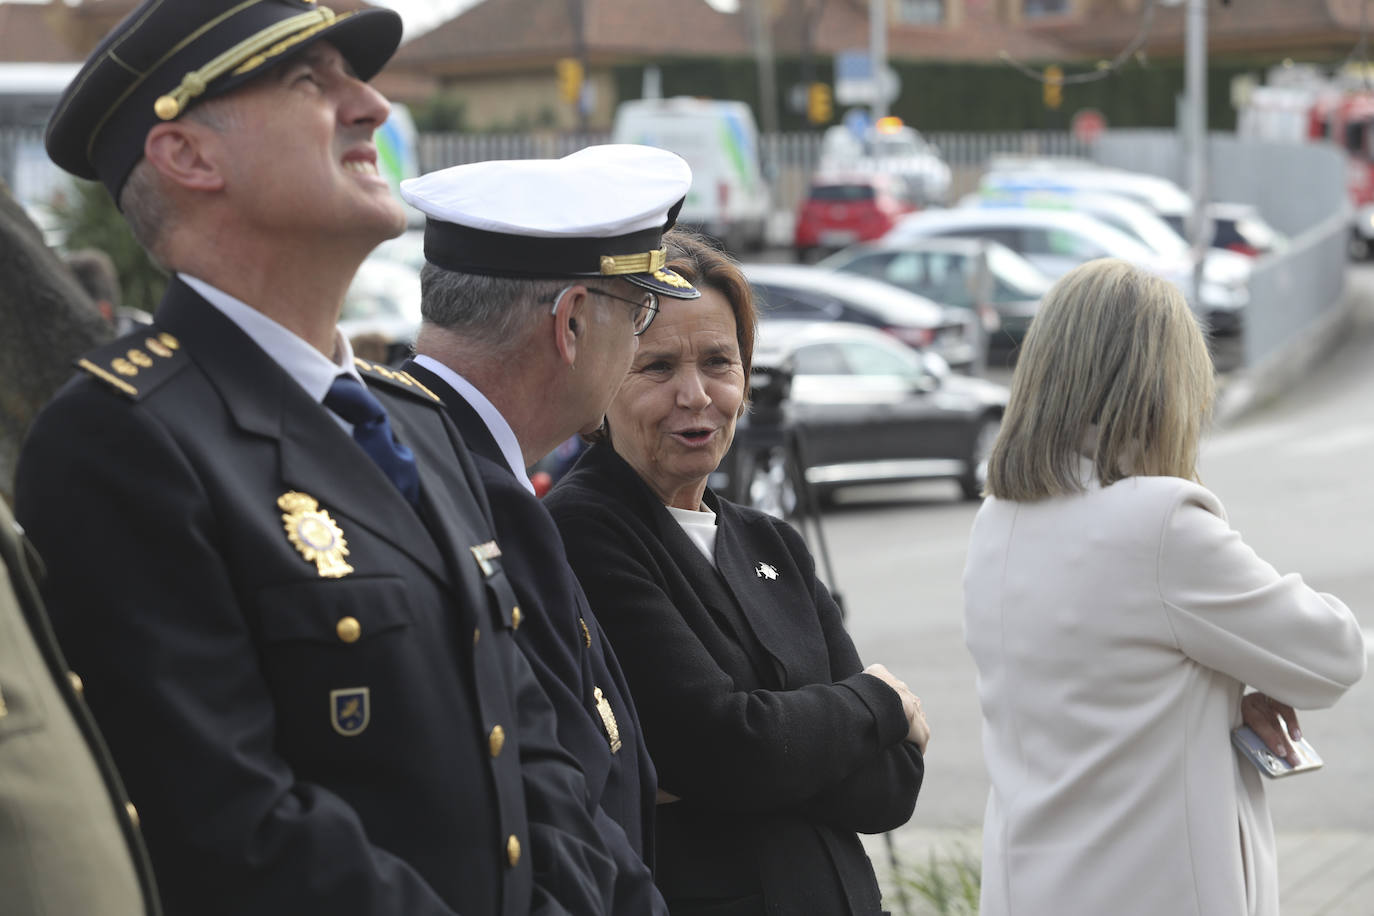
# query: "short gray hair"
492,310
143,199
1115,363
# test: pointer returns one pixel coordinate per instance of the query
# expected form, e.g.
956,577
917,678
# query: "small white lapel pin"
764,571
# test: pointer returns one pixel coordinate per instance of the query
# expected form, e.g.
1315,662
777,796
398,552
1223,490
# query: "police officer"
279,582
540,276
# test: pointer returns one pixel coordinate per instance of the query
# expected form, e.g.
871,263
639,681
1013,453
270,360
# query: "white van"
729,199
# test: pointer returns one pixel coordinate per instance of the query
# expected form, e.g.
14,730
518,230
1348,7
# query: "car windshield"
842,193
1015,272
1154,232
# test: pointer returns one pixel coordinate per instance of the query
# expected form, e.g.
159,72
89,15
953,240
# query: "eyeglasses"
645,307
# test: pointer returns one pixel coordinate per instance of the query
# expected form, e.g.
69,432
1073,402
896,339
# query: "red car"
844,209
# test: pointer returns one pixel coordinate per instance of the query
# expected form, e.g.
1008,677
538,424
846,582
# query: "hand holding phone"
1305,757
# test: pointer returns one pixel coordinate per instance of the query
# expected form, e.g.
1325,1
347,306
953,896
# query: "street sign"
855,82
1087,125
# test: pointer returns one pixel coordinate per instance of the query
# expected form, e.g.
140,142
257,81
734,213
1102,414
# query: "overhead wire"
1104,68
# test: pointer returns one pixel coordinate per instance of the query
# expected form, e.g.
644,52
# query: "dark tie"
349,399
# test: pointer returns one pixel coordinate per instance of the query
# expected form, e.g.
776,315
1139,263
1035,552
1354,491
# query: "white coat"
1114,631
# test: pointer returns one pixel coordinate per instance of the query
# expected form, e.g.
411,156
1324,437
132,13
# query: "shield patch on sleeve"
350,709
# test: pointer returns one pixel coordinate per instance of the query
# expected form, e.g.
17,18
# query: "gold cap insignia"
643,263
312,532
603,706
158,348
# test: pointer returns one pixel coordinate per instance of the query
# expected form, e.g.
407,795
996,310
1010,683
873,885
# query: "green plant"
91,220
946,884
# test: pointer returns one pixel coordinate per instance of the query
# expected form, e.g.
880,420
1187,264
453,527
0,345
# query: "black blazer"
751,697
296,743
572,659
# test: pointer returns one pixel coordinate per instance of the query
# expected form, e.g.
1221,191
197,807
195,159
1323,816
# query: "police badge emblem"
312,532
350,710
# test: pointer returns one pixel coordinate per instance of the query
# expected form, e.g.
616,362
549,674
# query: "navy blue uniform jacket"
370,744
752,698
572,658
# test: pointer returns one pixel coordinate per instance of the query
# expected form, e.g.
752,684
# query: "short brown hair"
702,264
1114,368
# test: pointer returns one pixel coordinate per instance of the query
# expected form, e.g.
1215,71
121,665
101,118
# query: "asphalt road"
1295,477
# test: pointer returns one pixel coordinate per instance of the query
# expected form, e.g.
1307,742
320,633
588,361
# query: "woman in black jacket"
774,745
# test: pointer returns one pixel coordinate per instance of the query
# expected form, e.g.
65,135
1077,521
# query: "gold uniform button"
77,684
496,740
516,616
513,851
476,634
132,812
349,629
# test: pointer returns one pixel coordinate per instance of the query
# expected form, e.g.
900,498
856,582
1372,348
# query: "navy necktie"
349,399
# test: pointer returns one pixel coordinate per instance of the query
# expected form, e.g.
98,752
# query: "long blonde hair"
1114,367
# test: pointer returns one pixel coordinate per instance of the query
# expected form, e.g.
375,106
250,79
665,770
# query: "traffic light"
819,107
1054,86
569,79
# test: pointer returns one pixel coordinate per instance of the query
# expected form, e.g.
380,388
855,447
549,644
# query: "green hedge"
969,97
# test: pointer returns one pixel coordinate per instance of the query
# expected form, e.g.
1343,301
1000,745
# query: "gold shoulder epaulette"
137,363
398,379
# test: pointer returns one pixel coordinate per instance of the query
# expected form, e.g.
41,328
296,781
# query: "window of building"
1032,8
921,12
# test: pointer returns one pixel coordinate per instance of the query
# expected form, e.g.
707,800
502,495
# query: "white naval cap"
600,211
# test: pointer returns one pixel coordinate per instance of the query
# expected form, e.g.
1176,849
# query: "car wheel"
976,474
771,485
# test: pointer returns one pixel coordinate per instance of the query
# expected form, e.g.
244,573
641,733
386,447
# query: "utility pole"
763,57
877,53
575,13
1195,121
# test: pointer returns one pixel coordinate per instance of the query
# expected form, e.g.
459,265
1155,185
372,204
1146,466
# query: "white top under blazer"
1114,631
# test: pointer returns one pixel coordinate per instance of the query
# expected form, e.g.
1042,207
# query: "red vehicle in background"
1347,120
840,210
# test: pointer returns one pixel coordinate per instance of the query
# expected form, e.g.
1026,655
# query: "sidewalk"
1321,873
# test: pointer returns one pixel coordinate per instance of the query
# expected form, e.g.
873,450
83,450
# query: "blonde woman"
1116,619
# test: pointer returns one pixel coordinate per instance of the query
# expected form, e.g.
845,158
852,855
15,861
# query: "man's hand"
1264,715
918,732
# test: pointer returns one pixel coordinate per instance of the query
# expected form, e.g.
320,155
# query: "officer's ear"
184,153
569,322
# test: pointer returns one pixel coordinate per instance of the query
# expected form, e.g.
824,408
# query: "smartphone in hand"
1253,748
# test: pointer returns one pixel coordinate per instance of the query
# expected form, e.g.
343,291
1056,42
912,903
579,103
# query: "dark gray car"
863,408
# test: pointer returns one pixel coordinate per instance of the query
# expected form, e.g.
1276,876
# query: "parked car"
989,279
1225,288
856,407
807,292
890,147
1056,241
839,210
1242,229
1161,195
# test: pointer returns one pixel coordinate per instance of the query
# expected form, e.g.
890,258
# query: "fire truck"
1338,111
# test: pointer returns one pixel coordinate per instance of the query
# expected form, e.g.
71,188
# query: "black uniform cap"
169,54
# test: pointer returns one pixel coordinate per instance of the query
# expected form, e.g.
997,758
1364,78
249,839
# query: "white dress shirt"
310,368
496,424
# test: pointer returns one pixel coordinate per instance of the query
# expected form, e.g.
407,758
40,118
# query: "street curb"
1248,388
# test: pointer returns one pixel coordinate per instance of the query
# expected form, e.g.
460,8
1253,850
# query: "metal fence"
789,159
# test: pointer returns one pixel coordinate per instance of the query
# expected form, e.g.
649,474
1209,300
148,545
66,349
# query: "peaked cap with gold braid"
169,54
